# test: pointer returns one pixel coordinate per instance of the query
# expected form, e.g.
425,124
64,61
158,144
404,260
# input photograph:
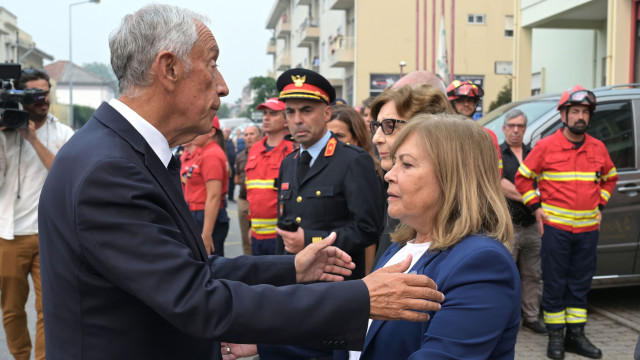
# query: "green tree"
82,114
265,88
105,71
504,96
224,111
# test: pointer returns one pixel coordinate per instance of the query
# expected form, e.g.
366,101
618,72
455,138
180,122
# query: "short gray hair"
143,35
514,113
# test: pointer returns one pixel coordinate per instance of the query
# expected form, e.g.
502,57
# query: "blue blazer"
125,274
479,318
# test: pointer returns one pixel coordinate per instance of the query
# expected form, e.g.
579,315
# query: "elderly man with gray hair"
526,247
125,274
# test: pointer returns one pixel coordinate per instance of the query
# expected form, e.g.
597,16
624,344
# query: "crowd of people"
395,229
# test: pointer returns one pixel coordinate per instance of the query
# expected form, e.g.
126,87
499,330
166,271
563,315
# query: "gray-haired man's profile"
125,274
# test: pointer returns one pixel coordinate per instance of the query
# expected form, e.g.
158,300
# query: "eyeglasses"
388,125
519,126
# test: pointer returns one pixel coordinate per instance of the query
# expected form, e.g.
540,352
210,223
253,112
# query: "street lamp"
71,122
402,65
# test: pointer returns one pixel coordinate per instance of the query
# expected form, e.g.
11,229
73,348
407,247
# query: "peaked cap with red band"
305,84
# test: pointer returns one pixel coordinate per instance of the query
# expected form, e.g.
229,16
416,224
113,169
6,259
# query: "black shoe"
232,200
535,326
576,342
555,349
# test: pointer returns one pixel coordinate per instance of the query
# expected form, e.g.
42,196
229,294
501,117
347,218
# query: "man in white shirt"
25,158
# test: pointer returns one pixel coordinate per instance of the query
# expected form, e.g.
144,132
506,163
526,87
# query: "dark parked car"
616,122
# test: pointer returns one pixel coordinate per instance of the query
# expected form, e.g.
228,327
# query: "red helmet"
458,89
577,95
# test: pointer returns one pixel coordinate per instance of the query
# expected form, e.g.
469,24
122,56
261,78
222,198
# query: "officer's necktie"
303,165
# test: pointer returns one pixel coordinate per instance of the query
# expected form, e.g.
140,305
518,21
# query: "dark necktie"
174,172
303,165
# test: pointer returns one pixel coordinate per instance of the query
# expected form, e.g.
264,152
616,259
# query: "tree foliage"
265,88
224,111
504,96
82,114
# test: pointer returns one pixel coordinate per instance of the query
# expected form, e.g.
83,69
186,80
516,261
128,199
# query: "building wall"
576,48
85,95
577,42
384,33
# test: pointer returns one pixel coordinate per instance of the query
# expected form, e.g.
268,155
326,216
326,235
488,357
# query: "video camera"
10,114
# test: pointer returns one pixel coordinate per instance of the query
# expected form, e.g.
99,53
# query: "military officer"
326,186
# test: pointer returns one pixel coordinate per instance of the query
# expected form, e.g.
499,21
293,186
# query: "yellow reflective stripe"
569,213
570,222
524,171
576,315
568,176
612,172
528,196
264,226
554,318
605,194
260,184
264,222
500,164
265,230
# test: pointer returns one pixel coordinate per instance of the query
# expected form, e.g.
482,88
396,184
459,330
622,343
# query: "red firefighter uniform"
574,183
262,170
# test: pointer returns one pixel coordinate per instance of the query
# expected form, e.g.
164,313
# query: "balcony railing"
283,27
283,61
271,46
308,32
342,51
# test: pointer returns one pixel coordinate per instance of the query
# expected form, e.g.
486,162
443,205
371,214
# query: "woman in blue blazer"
444,188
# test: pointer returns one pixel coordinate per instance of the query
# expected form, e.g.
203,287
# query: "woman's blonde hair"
410,101
466,166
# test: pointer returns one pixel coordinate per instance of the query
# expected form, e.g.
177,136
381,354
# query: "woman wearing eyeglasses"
394,107
391,110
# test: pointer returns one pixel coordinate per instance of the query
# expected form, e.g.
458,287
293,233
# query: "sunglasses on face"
387,125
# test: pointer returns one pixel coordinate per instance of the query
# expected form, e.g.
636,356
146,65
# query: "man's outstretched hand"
398,296
321,262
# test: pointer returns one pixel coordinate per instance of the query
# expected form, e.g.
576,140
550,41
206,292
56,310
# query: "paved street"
614,317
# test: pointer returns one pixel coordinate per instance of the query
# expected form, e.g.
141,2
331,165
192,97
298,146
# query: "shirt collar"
154,138
314,150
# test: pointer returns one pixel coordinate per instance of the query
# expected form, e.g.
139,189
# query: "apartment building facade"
562,43
17,46
363,46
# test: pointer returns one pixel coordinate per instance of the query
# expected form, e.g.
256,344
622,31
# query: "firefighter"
575,178
464,97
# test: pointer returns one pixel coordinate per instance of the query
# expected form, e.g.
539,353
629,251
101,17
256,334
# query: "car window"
534,110
613,125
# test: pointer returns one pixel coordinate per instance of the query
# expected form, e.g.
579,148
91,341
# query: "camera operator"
25,158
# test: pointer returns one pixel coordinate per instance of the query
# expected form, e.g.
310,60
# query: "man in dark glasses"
575,178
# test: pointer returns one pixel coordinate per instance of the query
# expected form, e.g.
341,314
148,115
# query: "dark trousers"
263,247
220,229
568,264
232,184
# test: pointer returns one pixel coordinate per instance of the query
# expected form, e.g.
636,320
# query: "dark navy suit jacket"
125,274
479,318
